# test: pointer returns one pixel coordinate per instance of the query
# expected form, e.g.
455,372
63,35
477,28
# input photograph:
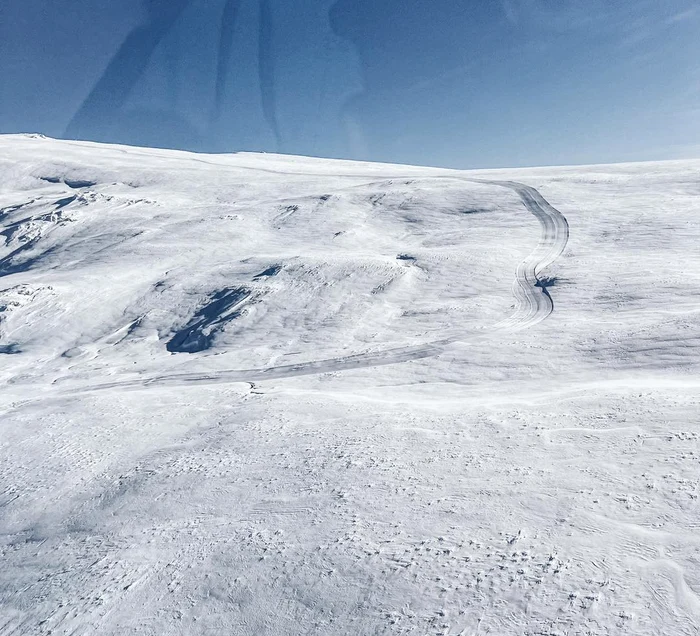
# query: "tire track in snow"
534,304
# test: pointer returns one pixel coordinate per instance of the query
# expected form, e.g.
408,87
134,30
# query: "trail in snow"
534,301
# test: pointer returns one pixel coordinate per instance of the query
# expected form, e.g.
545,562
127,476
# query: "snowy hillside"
256,394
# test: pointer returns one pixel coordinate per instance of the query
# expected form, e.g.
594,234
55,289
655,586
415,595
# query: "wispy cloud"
510,9
604,15
641,30
564,15
636,36
458,72
684,16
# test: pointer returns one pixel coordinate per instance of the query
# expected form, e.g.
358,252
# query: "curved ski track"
534,301
534,304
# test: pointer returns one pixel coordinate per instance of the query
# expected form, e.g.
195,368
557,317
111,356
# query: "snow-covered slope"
256,394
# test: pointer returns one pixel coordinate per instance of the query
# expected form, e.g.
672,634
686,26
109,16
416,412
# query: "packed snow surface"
265,395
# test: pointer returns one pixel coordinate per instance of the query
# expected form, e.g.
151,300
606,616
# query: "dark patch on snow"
13,229
8,266
9,231
76,184
134,326
198,334
13,208
544,283
9,349
73,352
324,197
270,271
62,203
547,281
285,214
406,257
376,199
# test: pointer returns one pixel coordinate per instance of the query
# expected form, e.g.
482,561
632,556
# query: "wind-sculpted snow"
197,335
534,304
533,301
262,395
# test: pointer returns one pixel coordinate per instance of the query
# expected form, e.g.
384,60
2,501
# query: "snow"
257,394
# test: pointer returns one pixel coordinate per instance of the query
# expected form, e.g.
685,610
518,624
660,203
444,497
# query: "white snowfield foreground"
253,394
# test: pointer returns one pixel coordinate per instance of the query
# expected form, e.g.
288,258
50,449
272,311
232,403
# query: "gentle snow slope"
253,394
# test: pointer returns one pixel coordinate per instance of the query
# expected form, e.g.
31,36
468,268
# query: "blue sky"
436,82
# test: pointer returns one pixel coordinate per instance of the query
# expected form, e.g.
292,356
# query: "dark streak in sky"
267,71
